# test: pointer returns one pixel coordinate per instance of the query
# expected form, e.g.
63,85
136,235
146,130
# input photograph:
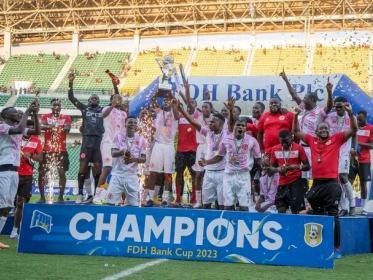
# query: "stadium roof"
40,20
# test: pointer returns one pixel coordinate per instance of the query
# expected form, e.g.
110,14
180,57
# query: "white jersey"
204,122
10,146
165,127
135,145
310,119
114,123
339,124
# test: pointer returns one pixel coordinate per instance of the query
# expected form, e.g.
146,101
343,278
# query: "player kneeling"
128,151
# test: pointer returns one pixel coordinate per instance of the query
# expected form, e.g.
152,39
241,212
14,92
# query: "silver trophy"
166,64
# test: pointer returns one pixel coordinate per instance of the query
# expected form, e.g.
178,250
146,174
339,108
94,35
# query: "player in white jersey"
162,159
203,118
114,123
128,151
12,127
339,121
239,150
212,187
311,114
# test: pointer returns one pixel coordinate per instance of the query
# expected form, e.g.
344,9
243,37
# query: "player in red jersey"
270,123
55,127
364,146
31,151
325,193
289,159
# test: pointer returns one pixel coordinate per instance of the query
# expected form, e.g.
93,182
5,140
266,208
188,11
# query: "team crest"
281,118
313,234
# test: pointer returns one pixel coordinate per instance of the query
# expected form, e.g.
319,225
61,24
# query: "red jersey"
55,138
325,155
187,136
33,146
296,155
252,129
364,135
271,125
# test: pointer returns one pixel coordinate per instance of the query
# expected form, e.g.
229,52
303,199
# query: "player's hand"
127,158
297,111
34,107
329,86
348,108
283,169
284,110
293,167
26,155
71,76
283,74
206,95
202,162
353,153
230,103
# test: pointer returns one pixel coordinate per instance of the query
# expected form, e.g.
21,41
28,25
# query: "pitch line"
133,270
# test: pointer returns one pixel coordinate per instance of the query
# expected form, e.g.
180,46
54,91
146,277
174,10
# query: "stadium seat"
90,71
214,62
352,61
271,61
42,70
4,98
145,69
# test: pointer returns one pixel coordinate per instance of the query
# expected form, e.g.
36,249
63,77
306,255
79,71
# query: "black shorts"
324,197
184,160
361,169
25,187
90,150
61,160
290,195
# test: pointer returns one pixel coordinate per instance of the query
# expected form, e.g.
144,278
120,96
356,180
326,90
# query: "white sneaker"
197,205
100,196
13,235
79,199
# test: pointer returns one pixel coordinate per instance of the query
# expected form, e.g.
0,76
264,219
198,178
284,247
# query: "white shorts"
162,159
107,159
344,164
8,188
237,186
200,152
308,174
145,166
212,188
127,184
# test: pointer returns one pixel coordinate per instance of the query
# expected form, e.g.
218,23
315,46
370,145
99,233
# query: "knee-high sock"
344,202
81,178
350,194
2,223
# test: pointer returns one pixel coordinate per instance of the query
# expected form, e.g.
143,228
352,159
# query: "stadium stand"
352,61
212,62
4,98
144,68
40,69
271,61
45,102
90,71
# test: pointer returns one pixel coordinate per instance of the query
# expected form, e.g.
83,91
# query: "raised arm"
175,108
71,96
36,130
296,130
353,124
230,106
293,94
189,118
20,128
329,102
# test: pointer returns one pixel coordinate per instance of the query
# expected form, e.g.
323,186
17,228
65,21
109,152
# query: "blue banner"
199,235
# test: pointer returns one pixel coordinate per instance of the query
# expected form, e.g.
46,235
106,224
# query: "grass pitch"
14,265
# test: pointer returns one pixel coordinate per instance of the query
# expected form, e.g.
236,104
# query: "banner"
250,89
199,235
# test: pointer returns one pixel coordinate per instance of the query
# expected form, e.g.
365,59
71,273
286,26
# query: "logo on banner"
313,234
41,220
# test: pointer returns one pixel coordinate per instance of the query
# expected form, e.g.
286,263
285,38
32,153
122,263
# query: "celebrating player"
31,151
55,127
339,121
11,130
289,159
93,130
128,151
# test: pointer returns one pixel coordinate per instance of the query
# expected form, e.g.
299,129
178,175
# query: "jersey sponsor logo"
41,220
313,234
82,155
93,114
31,145
286,154
281,118
362,132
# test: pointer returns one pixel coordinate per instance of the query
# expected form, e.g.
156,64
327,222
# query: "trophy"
166,64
